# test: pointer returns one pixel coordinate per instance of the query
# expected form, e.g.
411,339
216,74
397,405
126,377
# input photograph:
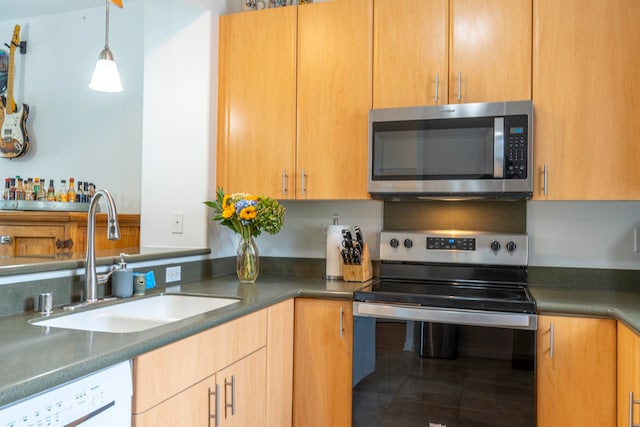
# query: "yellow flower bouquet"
247,215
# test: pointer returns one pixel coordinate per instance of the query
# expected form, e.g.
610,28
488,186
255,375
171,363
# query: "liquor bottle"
12,189
19,189
5,193
85,193
51,192
41,195
79,193
71,192
61,196
28,189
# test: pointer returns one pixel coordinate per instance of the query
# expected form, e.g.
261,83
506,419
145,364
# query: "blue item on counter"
151,280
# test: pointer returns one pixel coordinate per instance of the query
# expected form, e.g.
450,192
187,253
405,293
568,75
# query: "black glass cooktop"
493,297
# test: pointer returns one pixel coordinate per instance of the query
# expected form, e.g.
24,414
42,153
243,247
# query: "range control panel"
454,246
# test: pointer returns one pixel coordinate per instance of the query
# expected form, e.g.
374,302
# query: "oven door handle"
524,321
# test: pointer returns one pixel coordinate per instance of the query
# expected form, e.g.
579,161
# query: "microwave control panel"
516,147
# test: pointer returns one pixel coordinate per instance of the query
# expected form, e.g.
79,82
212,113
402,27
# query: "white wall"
75,131
180,98
583,234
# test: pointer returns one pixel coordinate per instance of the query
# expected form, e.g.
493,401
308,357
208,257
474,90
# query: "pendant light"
105,76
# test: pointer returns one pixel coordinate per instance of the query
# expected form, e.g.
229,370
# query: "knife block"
361,272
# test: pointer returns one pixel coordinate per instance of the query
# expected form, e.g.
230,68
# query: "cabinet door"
628,376
280,365
323,342
490,51
191,407
257,102
334,98
32,240
576,371
410,52
242,391
585,95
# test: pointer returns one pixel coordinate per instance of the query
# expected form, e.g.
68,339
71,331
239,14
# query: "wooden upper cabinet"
422,47
257,102
490,50
334,98
586,98
410,53
628,376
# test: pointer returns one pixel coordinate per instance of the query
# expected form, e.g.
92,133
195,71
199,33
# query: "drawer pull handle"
631,403
216,406
6,240
231,405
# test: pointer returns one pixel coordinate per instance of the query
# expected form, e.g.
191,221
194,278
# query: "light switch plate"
177,222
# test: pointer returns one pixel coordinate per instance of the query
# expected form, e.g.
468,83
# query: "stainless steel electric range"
465,280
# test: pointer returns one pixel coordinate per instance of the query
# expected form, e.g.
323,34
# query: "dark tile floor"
406,390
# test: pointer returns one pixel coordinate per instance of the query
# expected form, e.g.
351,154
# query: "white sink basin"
137,315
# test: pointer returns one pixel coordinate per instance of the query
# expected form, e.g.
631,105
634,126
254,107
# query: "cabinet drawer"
164,372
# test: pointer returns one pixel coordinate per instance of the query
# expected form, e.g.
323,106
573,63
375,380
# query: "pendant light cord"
106,27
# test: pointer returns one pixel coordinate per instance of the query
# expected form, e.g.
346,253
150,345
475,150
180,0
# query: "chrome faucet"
91,279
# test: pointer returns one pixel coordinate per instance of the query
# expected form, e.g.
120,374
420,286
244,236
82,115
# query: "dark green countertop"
620,305
37,358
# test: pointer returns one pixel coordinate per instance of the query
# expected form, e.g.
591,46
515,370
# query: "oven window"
434,149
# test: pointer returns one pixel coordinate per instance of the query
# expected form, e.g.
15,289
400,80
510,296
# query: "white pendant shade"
105,77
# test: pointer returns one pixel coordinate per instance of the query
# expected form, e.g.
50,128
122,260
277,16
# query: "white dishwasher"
100,399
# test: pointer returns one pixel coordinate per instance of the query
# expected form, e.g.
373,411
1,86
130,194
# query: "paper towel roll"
334,239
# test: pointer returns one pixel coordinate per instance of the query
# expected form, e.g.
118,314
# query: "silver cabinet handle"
551,340
341,321
231,405
6,240
545,177
302,183
216,406
459,86
437,85
285,181
631,403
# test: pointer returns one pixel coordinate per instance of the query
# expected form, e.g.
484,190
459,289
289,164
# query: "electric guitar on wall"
14,140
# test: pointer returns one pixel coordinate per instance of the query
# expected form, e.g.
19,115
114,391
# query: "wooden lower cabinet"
61,234
576,372
323,351
628,376
220,376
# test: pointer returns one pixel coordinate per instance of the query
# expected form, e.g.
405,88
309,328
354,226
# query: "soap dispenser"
122,279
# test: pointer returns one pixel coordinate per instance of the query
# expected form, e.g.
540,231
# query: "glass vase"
248,261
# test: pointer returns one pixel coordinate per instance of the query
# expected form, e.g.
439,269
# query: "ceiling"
16,9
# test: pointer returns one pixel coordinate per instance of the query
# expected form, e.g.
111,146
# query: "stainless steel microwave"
479,150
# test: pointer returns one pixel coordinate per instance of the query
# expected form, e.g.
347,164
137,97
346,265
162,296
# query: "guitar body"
14,139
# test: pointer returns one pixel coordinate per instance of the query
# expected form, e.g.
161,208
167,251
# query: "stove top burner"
490,297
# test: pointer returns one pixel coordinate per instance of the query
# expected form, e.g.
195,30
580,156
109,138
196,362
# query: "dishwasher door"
100,399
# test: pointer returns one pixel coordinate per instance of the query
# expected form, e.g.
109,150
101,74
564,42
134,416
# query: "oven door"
467,367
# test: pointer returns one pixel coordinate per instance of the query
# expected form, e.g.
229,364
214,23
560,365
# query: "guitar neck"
10,106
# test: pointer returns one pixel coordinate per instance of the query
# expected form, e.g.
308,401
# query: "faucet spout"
91,279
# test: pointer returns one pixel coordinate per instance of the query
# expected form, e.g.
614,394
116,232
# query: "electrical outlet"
173,274
177,222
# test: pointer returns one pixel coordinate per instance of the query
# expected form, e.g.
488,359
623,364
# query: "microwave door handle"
498,147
